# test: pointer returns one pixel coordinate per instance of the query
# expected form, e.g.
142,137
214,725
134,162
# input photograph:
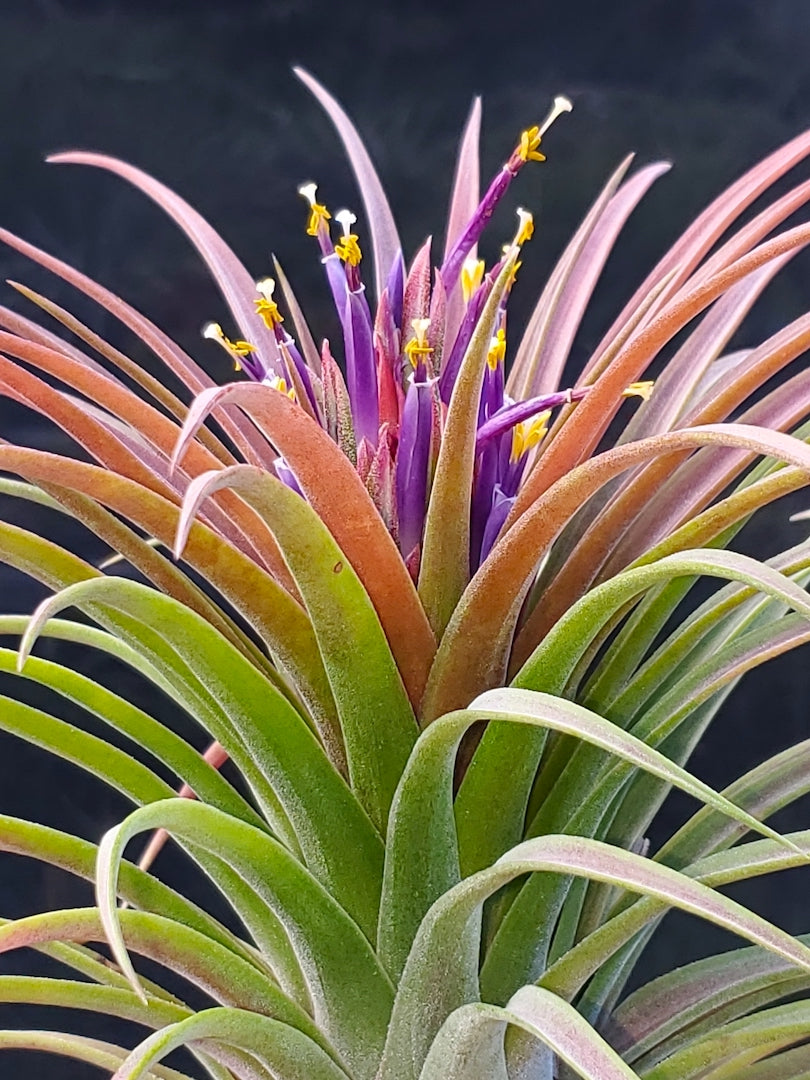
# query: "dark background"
201,95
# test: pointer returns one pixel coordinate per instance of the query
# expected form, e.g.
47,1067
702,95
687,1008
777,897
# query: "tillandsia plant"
437,617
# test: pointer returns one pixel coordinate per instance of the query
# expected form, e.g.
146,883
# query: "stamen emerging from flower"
348,249
527,434
525,229
318,214
278,382
639,389
417,349
497,349
528,149
472,274
235,349
266,307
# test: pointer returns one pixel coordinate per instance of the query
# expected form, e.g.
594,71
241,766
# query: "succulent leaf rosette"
428,593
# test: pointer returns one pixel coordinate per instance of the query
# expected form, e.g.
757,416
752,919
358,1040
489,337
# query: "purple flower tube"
413,458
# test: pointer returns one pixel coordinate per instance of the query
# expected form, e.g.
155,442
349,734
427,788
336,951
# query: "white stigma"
560,105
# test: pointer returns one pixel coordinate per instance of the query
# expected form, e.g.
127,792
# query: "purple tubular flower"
396,289
487,470
413,459
361,367
451,366
451,268
501,505
510,415
287,476
301,369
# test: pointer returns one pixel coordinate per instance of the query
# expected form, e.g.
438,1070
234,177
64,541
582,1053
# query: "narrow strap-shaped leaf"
282,1049
679,999
339,497
377,722
77,856
277,617
217,971
445,563
588,422
421,851
442,969
384,237
463,202
738,1044
235,283
162,346
102,1055
471,1039
350,992
275,743
486,615
110,1001
789,1065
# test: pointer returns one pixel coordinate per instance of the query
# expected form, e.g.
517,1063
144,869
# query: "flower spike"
237,350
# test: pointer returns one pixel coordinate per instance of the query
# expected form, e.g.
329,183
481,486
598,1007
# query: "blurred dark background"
201,95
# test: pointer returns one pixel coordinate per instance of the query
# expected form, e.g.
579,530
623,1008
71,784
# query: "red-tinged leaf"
278,619
175,359
708,227
148,383
578,437
337,407
555,322
416,300
384,237
616,521
684,372
338,496
487,613
377,721
235,283
437,332
463,203
153,427
445,561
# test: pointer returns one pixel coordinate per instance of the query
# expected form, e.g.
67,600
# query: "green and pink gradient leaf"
280,1049
275,750
351,993
470,1042
377,722
339,497
442,969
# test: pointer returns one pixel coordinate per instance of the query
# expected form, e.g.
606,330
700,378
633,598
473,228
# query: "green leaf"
377,721
350,992
262,733
445,562
282,1050
442,969
91,1051
469,1045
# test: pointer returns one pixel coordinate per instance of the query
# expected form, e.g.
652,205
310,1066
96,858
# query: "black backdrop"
201,95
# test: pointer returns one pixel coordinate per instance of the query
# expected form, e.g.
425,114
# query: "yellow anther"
317,211
497,349
528,433
472,274
266,307
235,349
418,346
528,149
525,229
639,389
279,383
348,249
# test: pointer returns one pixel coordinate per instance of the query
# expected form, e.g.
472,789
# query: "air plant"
425,607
